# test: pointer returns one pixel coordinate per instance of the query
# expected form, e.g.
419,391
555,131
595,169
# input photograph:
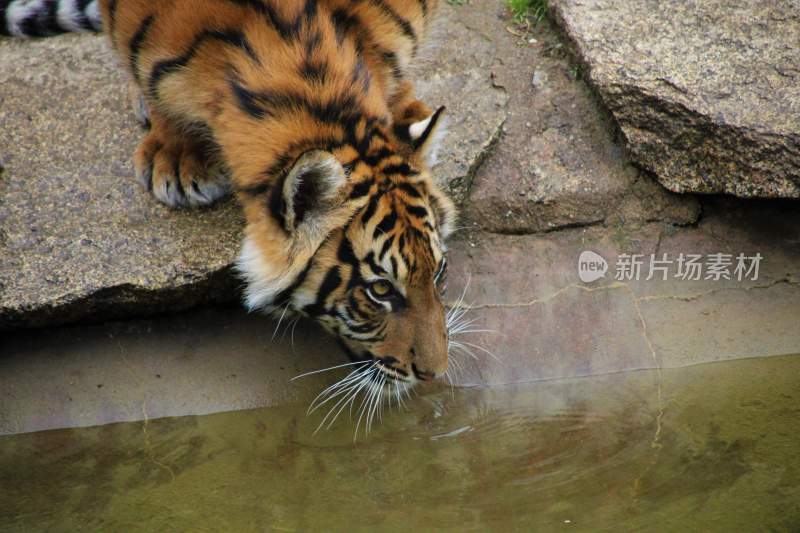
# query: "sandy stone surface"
547,323
80,239
557,163
707,93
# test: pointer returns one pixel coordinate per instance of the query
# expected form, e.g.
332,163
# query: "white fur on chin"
263,282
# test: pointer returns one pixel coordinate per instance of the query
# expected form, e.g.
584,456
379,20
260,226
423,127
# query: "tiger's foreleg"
176,167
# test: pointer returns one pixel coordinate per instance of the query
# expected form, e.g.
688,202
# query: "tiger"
304,111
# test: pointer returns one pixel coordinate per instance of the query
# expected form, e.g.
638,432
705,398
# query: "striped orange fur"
305,106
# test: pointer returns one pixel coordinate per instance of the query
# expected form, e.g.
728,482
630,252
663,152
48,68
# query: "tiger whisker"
275,333
481,348
334,390
328,369
363,407
346,400
377,393
458,346
348,395
294,325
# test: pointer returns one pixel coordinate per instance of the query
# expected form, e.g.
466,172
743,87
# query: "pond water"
712,448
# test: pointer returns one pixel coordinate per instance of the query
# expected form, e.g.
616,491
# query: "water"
711,448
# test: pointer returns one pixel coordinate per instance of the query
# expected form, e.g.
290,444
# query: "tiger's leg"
176,168
406,108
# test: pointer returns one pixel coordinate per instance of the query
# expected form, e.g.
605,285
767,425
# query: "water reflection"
717,452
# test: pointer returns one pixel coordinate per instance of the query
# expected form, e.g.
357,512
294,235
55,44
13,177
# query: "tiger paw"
177,172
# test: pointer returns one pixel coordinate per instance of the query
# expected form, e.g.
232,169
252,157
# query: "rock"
556,164
456,71
707,94
81,240
543,322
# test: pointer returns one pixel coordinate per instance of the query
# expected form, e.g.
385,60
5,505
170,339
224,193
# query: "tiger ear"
426,136
312,192
310,202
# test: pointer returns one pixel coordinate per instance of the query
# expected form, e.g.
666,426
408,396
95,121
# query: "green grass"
525,9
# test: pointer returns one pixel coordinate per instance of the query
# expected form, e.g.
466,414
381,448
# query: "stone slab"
545,323
557,163
706,93
79,239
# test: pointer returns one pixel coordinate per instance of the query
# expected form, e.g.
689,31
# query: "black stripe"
283,297
345,253
405,25
374,266
372,206
367,327
43,22
247,99
343,22
286,31
314,72
135,45
385,248
390,58
331,282
409,190
355,307
431,126
231,37
341,109
417,211
310,11
82,18
375,159
424,5
386,225
360,189
403,169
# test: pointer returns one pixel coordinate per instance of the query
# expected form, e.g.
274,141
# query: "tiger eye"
381,288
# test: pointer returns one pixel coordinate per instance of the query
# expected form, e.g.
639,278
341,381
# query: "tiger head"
358,245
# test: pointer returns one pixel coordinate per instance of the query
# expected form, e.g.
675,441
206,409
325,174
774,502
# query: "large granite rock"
78,237
706,92
556,163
